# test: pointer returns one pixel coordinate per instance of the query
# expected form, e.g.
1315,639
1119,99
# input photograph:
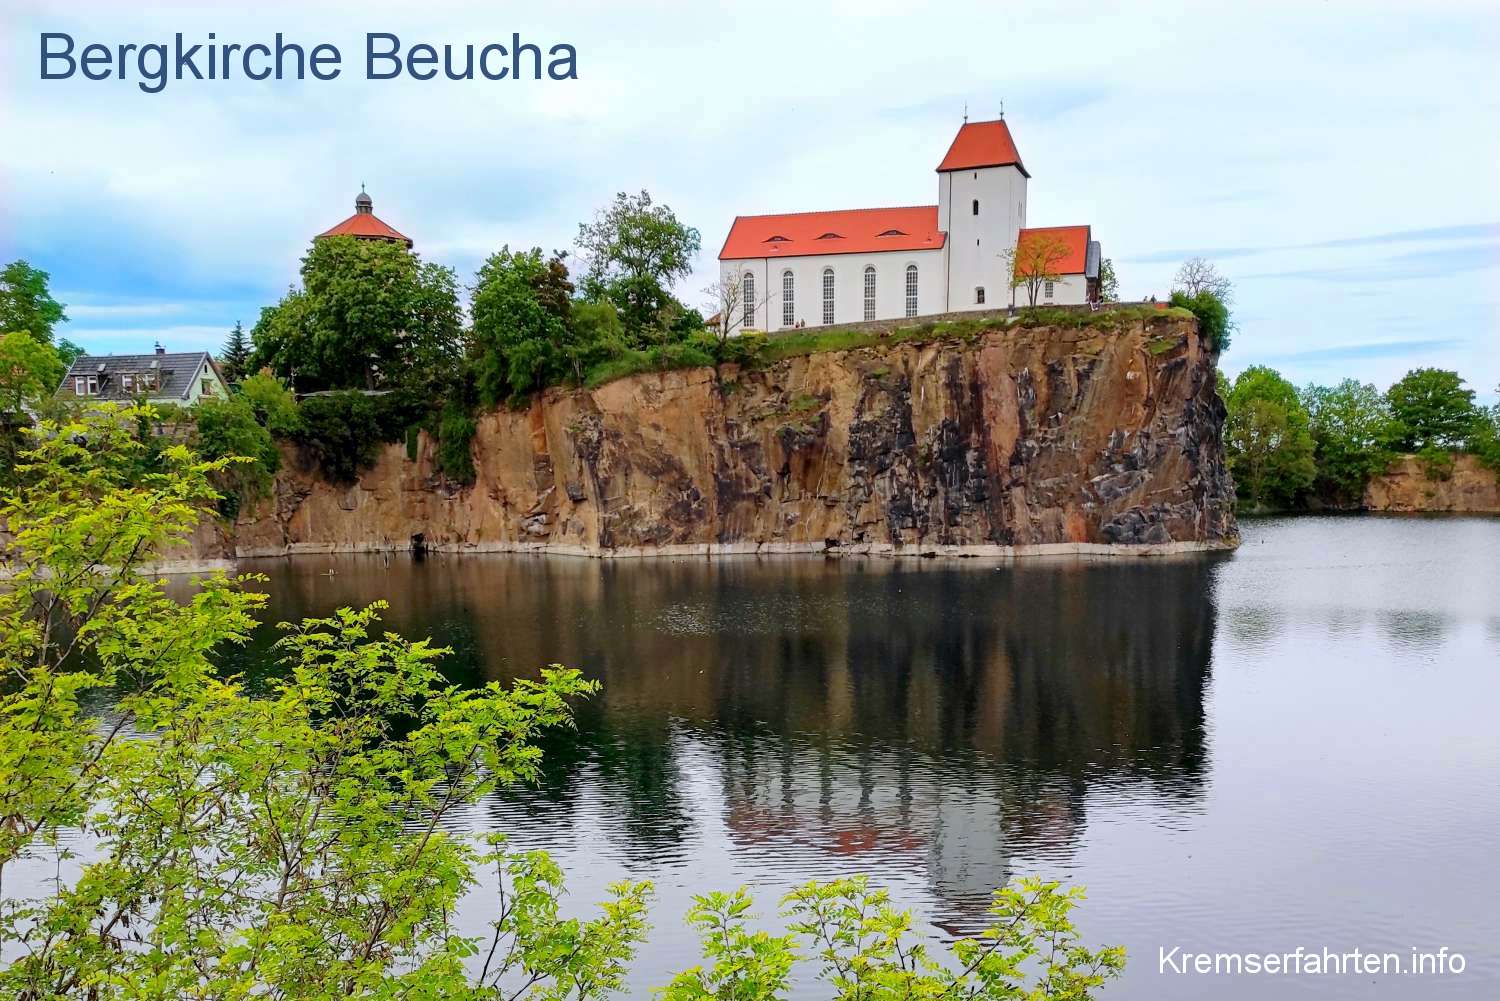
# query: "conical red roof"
364,224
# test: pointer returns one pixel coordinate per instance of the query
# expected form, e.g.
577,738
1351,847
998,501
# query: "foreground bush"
292,843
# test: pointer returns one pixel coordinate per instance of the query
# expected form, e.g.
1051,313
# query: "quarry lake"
1295,744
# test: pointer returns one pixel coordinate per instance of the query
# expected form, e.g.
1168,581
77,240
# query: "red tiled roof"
1075,239
366,226
848,231
982,144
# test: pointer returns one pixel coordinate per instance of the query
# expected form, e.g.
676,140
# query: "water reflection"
934,717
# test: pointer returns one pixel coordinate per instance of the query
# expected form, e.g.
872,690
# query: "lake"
1291,745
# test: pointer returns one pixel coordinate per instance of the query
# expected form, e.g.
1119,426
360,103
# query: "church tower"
982,208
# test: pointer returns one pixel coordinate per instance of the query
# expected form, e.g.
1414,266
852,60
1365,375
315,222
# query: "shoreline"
716,550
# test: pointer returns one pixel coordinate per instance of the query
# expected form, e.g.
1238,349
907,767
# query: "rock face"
1470,488
1015,441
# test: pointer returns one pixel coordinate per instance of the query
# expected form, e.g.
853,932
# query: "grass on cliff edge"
817,340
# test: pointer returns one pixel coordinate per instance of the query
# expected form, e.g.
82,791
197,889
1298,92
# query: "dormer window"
892,232
775,239
830,236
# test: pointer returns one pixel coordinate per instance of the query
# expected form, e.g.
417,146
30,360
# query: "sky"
1337,161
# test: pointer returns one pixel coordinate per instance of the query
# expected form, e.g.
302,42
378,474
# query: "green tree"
1267,440
234,359
1352,431
1484,439
68,351
1109,285
228,429
272,402
298,843
26,303
520,310
30,370
635,250
594,334
1432,409
369,315
1212,314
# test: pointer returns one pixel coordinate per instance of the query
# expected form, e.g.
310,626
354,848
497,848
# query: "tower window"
827,295
747,294
976,206
911,290
979,295
788,302
869,293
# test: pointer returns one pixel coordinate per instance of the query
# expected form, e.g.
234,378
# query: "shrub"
455,456
1436,462
273,403
228,429
342,431
1212,314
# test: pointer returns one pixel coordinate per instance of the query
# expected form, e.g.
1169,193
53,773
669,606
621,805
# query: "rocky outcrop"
1468,488
1013,441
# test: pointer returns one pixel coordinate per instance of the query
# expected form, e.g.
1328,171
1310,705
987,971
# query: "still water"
1292,745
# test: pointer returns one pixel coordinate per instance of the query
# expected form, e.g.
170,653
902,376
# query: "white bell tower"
982,208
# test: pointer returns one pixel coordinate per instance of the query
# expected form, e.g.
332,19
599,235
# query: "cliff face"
1019,440
1470,488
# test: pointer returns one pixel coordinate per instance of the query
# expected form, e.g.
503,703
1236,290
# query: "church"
844,266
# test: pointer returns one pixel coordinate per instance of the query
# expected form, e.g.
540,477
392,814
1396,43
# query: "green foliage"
234,359
30,370
26,303
68,352
594,335
1431,409
455,455
520,316
636,249
1267,440
1213,316
1484,439
370,314
343,432
229,428
273,403
1109,285
1352,431
866,949
1437,463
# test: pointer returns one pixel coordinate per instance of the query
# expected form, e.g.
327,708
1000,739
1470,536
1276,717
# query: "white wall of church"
848,286
977,243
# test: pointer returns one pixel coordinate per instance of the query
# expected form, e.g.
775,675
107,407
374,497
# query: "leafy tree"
1352,431
595,334
26,303
342,431
1484,439
520,323
234,359
30,370
229,428
272,402
636,249
1212,314
1267,440
296,843
370,314
1109,285
1432,409
1034,262
68,352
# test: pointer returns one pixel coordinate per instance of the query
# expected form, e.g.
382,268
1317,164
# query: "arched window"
747,295
870,292
979,295
911,290
827,295
788,299
976,206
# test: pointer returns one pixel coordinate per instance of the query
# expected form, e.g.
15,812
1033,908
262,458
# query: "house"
364,224
182,378
811,268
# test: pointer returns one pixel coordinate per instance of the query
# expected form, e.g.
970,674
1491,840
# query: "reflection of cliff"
945,716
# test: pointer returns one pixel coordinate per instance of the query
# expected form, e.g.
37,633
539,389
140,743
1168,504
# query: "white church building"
814,268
